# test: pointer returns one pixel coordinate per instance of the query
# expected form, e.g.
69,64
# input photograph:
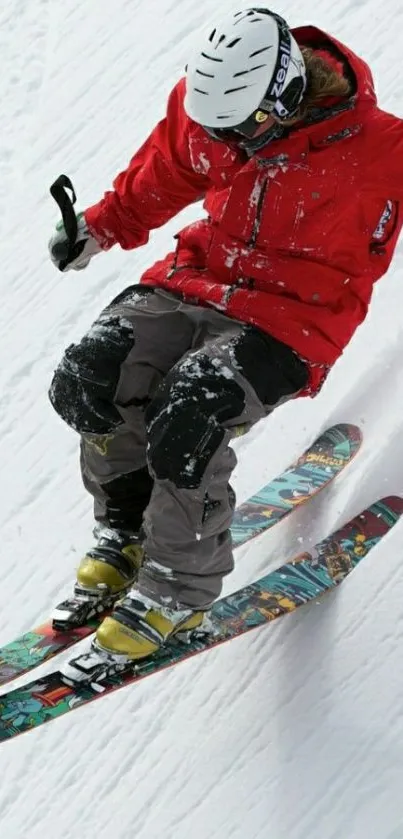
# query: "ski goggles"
257,123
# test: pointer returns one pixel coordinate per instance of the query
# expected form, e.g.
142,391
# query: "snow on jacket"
294,237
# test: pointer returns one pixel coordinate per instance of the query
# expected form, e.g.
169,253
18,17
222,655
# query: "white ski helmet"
244,68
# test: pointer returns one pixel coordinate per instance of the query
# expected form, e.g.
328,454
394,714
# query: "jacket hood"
354,66
329,121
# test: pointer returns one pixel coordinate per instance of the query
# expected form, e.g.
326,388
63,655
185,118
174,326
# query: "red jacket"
295,237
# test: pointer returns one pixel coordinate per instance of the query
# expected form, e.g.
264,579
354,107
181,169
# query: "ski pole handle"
58,191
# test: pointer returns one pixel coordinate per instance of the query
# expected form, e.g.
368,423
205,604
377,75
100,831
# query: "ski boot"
137,629
106,572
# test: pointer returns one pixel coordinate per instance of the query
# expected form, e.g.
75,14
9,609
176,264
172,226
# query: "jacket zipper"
259,208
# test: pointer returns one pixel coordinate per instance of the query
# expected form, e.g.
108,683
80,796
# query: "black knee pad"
271,367
184,420
84,384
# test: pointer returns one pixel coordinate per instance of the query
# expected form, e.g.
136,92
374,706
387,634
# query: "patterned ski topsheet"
314,470
299,581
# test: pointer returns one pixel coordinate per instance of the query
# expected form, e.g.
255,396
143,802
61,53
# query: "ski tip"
347,429
392,502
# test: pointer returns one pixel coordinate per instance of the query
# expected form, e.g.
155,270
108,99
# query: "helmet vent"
207,75
211,36
252,16
251,13
233,42
197,90
211,57
257,52
235,89
244,72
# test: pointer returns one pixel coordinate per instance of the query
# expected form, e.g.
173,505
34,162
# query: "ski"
309,474
305,578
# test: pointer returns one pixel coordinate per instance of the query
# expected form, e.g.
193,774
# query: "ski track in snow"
296,730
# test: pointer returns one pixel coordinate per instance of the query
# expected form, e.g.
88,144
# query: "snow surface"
296,730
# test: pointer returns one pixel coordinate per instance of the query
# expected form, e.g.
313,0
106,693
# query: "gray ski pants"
157,389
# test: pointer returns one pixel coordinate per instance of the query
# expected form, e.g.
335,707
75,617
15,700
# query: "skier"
279,133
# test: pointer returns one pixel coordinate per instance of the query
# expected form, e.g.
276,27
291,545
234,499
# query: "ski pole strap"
58,191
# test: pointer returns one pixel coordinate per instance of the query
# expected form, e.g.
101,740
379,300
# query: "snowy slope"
295,731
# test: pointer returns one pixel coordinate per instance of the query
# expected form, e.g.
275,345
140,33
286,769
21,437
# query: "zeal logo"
283,63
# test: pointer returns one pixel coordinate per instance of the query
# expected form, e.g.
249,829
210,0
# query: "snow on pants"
156,389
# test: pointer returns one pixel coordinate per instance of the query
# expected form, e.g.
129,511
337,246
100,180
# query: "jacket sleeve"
157,184
384,158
